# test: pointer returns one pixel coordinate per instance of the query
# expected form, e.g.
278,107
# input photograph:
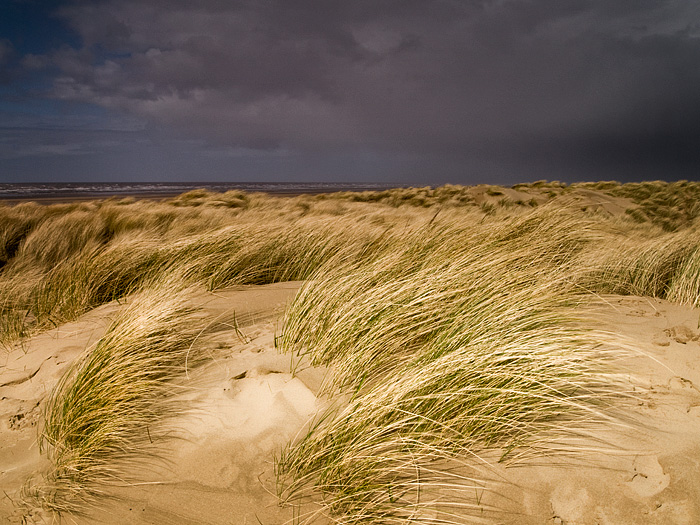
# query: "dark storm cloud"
497,85
7,54
6,51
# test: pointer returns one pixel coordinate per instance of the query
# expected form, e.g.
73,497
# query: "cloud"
6,51
476,81
62,121
7,54
21,143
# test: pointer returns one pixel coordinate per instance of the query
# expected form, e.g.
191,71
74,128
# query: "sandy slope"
655,481
245,405
242,408
28,372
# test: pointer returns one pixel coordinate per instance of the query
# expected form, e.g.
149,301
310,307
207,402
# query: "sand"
246,404
650,475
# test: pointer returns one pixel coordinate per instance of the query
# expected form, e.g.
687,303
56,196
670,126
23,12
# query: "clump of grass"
202,197
636,214
105,410
506,202
96,276
645,262
458,342
672,206
277,251
59,239
426,197
684,287
192,198
488,208
451,254
17,324
15,225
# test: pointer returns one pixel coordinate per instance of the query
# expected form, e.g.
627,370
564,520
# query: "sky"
390,91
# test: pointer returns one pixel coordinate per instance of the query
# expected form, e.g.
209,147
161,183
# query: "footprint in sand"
648,477
661,339
681,383
682,334
26,416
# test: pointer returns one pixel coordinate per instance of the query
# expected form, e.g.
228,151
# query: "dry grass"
645,260
73,259
460,341
109,405
452,329
672,206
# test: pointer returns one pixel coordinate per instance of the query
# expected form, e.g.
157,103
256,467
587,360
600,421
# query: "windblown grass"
460,342
54,241
108,406
447,195
66,265
451,329
646,261
15,224
672,206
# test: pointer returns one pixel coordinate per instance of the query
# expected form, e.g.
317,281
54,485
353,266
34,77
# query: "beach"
419,355
65,193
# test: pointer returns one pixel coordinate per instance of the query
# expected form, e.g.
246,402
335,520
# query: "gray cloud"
6,51
588,85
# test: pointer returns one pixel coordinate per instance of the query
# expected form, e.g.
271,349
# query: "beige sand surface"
242,407
656,480
245,405
28,372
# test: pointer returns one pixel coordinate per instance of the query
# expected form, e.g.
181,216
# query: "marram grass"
452,329
460,342
652,263
107,407
132,244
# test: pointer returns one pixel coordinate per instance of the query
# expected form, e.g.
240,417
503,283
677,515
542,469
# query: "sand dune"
650,474
243,407
474,333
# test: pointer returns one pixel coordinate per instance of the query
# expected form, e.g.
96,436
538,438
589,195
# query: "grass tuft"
108,406
463,340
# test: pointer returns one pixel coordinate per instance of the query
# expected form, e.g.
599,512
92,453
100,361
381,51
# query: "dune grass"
464,340
645,261
109,404
65,265
452,330
672,206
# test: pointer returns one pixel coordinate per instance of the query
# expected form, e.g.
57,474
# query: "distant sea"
68,191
